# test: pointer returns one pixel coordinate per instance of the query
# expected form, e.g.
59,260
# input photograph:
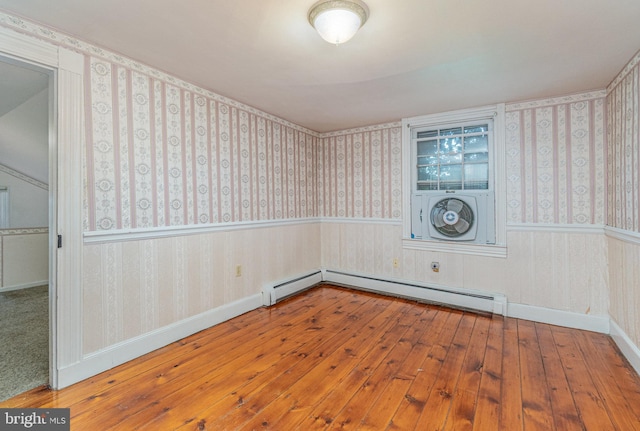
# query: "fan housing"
453,217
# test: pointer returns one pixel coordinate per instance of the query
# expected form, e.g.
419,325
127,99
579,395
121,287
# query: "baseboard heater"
462,298
273,293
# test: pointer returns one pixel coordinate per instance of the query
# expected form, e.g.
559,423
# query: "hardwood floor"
333,358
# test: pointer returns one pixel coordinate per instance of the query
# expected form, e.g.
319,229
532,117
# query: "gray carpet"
24,340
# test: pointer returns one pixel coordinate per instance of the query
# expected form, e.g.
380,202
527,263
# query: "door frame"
66,145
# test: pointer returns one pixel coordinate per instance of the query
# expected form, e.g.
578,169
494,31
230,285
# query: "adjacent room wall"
24,170
24,258
24,137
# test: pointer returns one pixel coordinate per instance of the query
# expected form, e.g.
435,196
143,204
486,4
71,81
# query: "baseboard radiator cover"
274,292
463,298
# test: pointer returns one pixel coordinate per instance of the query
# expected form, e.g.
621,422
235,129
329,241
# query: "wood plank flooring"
333,358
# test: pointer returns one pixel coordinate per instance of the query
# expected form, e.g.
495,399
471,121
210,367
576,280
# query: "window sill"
455,247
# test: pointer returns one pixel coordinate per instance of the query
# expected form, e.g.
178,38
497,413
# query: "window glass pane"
476,176
427,147
427,160
427,134
451,177
476,157
453,158
452,131
476,129
450,145
476,143
428,173
447,159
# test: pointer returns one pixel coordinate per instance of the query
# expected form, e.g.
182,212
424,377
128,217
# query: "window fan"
452,217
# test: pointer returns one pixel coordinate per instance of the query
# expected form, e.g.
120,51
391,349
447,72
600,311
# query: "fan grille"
452,217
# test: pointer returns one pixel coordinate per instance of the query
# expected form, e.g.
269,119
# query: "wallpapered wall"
624,151
556,160
360,173
623,108
556,165
161,155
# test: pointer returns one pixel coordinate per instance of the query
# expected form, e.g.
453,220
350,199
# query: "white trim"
100,237
622,235
119,353
564,318
27,47
455,247
67,312
457,297
626,346
392,222
559,228
24,286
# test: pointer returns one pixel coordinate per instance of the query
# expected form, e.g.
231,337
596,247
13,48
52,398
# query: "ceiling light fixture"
337,21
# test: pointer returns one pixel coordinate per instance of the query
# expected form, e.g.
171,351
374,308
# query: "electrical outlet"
396,264
238,270
435,266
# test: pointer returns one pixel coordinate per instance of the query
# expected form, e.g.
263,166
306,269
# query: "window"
452,158
457,155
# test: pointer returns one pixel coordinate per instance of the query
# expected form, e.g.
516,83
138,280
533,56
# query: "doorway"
27,254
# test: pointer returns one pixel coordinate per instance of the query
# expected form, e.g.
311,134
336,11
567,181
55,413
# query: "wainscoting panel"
558,270
24,258
135,287
624,279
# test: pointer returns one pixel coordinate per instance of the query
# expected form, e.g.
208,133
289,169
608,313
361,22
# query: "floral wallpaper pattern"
159,154
360,173
556,160
623,97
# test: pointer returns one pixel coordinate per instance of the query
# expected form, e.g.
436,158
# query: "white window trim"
497,112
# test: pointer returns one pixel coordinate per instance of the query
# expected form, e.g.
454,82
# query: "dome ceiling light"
337,21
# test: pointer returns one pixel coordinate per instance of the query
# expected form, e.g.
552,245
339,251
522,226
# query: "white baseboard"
559,317
125,351
465,298
24,285
271,293
626,346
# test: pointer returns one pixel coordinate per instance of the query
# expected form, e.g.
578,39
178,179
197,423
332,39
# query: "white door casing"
66,149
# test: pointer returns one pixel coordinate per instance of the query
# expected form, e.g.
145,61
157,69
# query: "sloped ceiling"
412,57
18,84
24,119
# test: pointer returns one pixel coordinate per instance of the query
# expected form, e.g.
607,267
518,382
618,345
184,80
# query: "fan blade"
438,219
462,226
454,205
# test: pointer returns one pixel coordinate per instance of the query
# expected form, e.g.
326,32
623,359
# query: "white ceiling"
412,57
